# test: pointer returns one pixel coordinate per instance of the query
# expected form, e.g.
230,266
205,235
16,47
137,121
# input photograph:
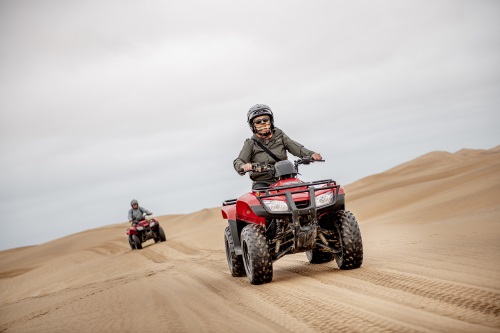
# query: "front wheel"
256,258
131,243
234,262
137,242
162,234
348,241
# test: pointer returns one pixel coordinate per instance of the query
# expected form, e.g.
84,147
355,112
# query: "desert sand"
431,237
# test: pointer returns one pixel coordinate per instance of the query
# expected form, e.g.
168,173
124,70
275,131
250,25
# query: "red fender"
245,213
229,212
132,231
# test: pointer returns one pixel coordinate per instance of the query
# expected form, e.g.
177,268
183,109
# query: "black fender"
235,227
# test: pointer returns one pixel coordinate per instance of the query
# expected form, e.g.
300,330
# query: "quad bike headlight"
324,199
275,205
140,228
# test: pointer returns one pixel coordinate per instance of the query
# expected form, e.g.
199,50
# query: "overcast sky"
105,101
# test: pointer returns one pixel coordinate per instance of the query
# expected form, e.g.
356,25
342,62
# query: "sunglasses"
264,120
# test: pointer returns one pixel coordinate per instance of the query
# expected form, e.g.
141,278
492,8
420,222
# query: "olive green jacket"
279,144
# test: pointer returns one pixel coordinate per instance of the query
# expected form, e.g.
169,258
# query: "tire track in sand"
283,301
73,295
448,299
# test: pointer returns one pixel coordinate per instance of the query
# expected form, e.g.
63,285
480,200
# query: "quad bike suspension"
280,228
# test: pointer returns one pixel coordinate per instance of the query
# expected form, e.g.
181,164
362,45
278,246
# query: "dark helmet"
134,202
284,169
259,110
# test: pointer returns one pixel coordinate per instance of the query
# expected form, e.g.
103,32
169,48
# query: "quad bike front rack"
288,190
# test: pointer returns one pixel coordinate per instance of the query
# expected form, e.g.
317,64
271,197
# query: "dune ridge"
435,187
431,237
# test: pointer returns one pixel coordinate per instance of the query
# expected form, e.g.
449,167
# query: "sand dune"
431,235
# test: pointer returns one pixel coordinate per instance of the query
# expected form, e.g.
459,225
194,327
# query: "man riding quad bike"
282,214
268,144
142,228
288,217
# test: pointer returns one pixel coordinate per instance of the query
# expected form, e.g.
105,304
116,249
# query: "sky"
106,101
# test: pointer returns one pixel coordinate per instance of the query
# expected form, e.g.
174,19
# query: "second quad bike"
147,228
288,217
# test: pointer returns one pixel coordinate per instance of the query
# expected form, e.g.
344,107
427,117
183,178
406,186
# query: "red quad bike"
143,231
288,217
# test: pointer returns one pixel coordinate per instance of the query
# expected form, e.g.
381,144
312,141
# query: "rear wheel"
137,242
348,241
156,235
316,256
256,258
234,261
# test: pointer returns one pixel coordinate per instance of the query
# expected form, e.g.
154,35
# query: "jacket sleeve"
244,157
296,148
130,215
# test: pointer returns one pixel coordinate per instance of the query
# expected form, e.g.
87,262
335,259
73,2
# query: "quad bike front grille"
301,207
302,204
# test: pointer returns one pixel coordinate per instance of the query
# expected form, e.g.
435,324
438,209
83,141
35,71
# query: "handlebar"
306,161
264,166
144,216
